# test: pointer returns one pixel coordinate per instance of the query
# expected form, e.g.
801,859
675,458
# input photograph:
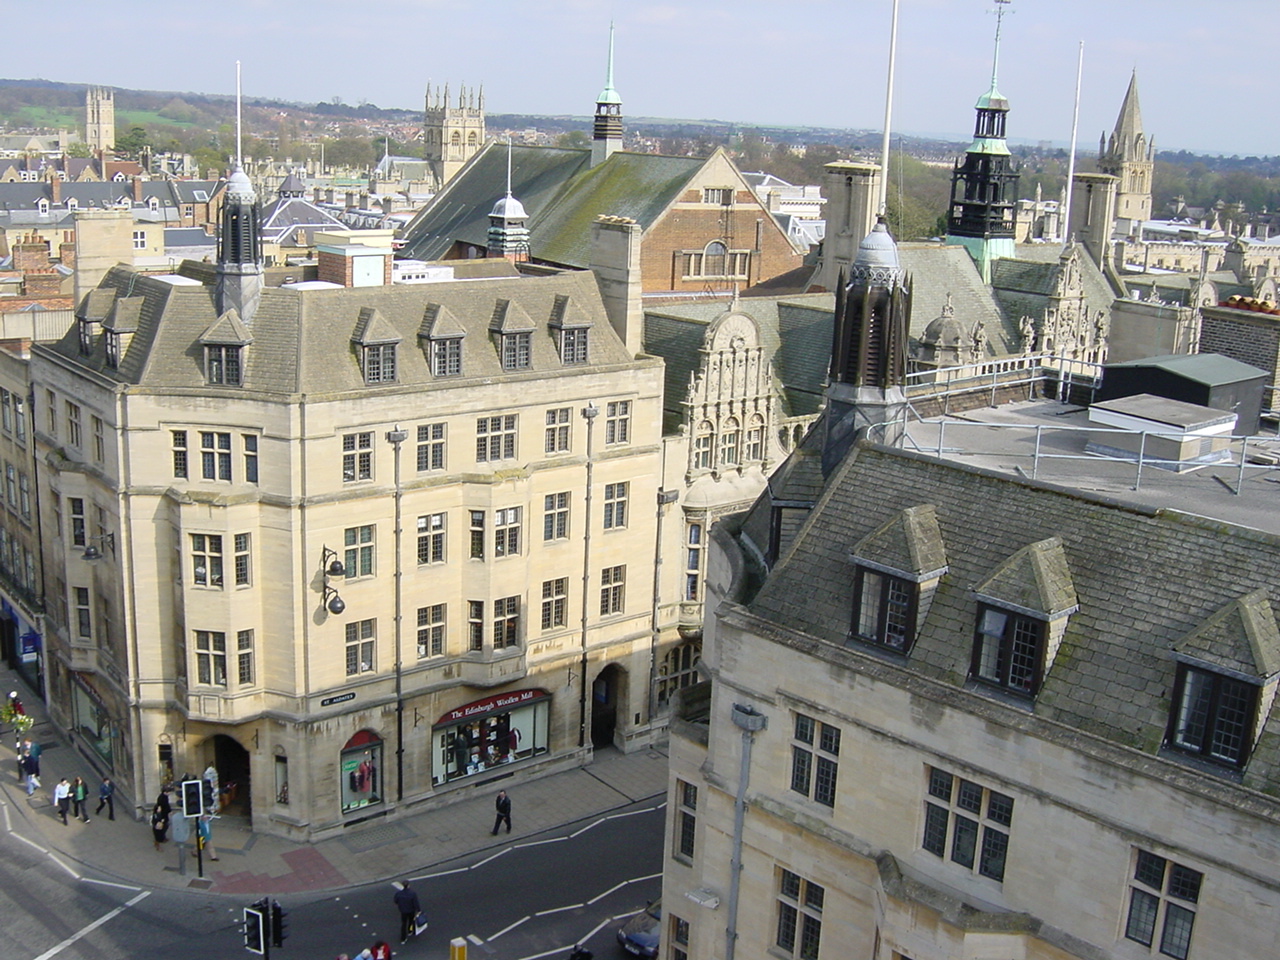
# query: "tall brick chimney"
42,283
55,188
31,254
137,189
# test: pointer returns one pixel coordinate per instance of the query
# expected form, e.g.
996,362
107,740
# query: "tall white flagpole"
882,206
1065,227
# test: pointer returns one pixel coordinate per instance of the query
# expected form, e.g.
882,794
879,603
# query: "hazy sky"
1205,70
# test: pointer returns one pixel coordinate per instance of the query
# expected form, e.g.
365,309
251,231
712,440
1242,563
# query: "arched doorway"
606,703
232,763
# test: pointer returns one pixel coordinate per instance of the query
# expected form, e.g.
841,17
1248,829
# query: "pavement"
258,863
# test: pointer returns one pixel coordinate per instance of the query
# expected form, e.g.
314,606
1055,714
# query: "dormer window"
573,345
884,609
86,337
1008,650
73,204
446,357
42,206
222,363
515,351
153,204
112,344
1213,715
380,363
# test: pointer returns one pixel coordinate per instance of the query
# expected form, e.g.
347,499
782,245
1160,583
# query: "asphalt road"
535,897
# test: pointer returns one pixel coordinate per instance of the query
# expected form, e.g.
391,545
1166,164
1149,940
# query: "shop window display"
489,733
361,771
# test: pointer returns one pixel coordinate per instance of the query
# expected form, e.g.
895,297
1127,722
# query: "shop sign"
340,698
30,652
503,701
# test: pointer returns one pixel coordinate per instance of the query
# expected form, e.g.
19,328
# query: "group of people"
379,951
72,796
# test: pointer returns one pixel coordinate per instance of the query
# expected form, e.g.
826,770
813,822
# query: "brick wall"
1242,335
31,254
692,228
41,283
333,267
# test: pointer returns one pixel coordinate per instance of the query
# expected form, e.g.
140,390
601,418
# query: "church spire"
1130,157
983,181
606,134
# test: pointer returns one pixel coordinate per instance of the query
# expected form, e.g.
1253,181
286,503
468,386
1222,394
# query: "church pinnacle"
1130,157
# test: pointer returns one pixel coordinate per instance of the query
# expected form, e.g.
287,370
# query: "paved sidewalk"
258,863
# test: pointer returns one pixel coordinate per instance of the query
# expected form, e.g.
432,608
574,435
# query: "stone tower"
983,183
606,133
100,119
865,397
452,134
1129,157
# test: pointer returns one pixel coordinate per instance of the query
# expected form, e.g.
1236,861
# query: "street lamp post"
589,413
396,437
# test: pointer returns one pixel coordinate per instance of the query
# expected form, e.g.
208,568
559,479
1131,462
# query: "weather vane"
1000,9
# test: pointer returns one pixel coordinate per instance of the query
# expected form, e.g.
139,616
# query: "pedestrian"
106,798
502,804
30,773
62,798
159,822
406,900
35,755
381,950
204,836
163,800
79,796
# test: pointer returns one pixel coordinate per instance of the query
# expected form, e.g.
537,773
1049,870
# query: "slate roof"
1146,582
302,340
561,193
283,216
1022,284
937,270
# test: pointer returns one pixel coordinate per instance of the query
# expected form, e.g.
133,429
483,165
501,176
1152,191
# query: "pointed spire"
609,94
239,145
1128,131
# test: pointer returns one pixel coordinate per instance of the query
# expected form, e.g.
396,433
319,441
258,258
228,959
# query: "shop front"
360,772
21,646
98,725
485,734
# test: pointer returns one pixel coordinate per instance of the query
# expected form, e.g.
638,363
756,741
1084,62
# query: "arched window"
360,771
731,443
702,446
471,139
713,258
755,438
456,139
679,668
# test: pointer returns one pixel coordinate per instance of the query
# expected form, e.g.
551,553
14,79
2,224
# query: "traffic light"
207,793
279,926
191,798
255,928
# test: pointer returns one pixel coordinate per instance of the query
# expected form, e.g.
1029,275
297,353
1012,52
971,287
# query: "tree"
573,139
133,143
78,148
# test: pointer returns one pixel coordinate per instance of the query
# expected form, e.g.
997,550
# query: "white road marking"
122,886
85,931
572,906
507,929
474,939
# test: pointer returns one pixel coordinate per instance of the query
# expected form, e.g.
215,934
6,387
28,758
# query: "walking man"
106,798
62,798
502,805
30,772
406,900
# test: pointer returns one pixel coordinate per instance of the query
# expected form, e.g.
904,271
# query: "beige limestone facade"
367,551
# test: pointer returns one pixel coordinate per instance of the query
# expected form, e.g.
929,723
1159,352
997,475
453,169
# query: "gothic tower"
865,396
606,134
452,135
1130,157
983,182
100,119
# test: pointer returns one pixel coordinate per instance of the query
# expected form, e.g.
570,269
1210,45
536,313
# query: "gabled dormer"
1023,609
441,335
1227,673
119,327
94,308
897,571
224,345
376,340
513,327
571,326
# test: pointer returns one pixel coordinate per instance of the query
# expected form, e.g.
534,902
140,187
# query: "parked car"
639,935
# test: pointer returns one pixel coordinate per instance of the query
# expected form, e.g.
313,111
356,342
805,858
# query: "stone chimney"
615,260
852,193
1093,213
137,189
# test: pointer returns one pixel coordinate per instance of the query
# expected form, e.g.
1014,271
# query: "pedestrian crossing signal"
279,928
191,798
255,929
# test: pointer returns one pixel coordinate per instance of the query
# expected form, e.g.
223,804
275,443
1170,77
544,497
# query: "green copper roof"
989,145
993,99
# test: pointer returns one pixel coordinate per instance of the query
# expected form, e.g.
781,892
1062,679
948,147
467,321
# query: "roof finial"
508,166
999,11
239,151
609,76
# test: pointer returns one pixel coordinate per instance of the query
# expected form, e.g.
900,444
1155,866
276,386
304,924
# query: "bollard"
458,949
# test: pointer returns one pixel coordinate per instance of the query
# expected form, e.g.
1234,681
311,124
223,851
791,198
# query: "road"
536,897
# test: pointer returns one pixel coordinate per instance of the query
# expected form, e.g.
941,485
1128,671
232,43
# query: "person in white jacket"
62,798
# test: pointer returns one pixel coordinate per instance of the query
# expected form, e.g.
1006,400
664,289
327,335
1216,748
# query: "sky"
1204,76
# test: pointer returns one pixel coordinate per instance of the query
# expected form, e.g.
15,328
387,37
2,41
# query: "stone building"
1129,156
452,133
950,711
100,119
359,547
